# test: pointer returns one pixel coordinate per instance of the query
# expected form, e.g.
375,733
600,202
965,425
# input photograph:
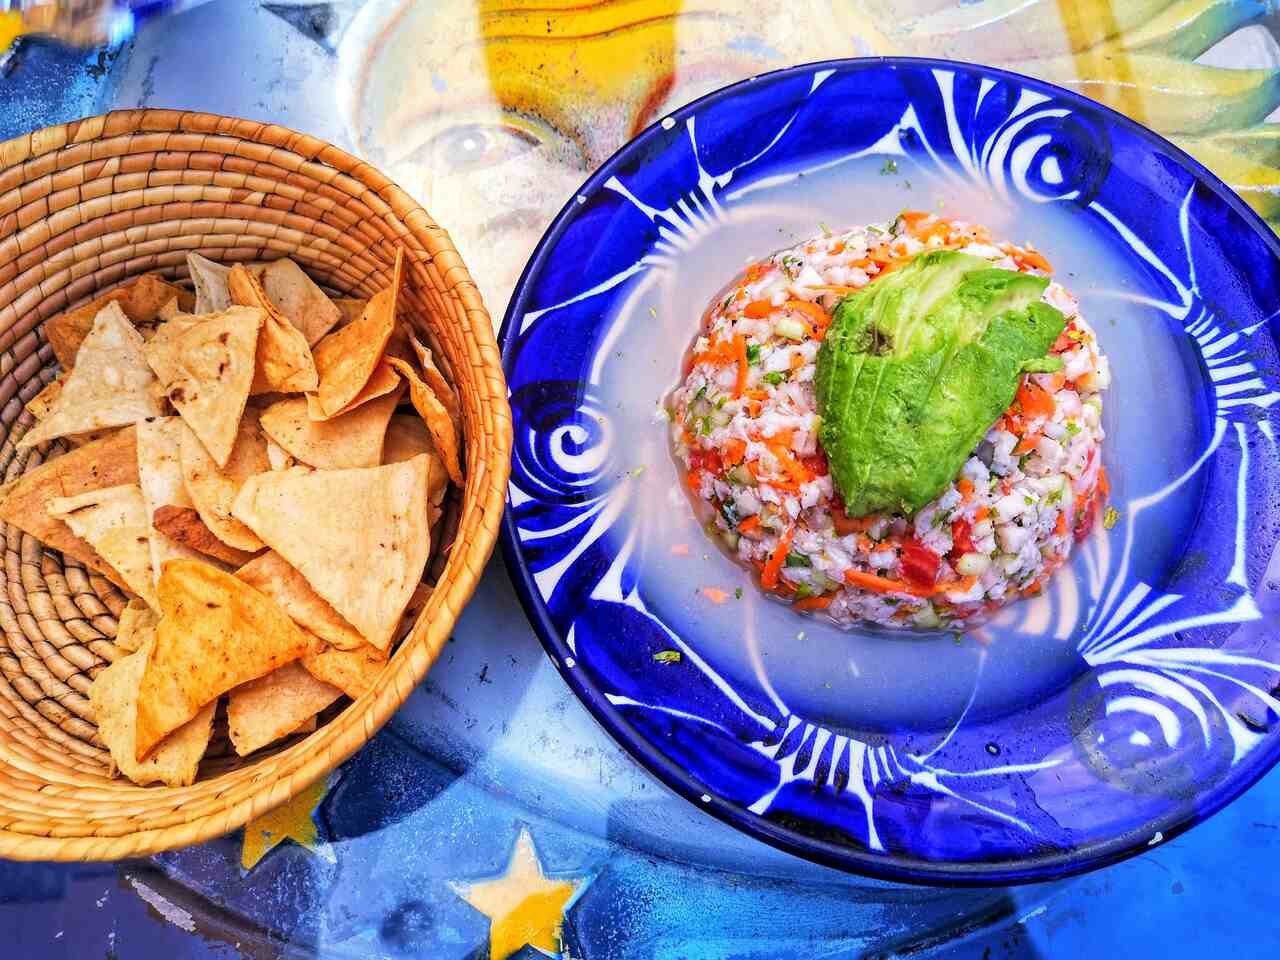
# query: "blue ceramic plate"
1132,699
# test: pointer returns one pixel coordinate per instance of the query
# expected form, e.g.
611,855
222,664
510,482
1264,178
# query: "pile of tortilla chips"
261,467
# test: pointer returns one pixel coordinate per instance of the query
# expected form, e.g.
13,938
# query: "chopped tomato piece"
734,451
919,564
965,486
814,603
816,463
750,526
962,537
846,524
758,309
1035,401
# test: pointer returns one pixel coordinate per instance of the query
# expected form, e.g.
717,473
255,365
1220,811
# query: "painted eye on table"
468,147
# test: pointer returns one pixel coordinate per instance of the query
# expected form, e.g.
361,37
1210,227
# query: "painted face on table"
492,113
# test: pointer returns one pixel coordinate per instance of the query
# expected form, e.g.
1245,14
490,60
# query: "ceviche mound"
899,424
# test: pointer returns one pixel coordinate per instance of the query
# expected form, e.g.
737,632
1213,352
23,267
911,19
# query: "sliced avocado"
916,367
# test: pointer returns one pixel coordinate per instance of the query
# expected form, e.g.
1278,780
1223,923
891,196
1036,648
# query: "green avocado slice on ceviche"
917,366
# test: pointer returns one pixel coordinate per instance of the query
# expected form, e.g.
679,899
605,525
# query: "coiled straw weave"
83,207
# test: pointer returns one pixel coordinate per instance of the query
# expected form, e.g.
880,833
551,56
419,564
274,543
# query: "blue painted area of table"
493,746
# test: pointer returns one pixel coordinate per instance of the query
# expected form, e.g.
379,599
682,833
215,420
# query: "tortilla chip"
213,489
436,417
108,462
351,440
382,382
273,575
215,633
264,710
113,697
284,361
365,558
278,456
140,298
347,358
298,298
40,405
169,311
350,308
184,527
210,280
110,385
114,521
136,623
206,368
407,437
160,476
351,671
435,380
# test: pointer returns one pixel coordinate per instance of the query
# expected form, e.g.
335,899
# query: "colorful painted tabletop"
492,817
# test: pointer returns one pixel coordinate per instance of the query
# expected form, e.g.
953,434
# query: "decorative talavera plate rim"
886,866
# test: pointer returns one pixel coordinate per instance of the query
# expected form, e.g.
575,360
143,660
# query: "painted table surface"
492,817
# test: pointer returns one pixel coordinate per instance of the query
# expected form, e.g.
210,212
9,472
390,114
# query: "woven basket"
83,207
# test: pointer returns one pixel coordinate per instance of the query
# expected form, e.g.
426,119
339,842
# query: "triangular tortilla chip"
436,417
351,440
184,527
137,622
215,633
347,358
108,462
350,308
298,298
210,280
169,311
213,489
141,299
273,575
264,710
113,697
114,521
351,671
284,361
382,382
436,381
40,405
206,369
365,558
110,385
407,437
160,477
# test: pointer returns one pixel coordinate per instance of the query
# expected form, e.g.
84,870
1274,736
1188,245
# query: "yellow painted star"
523,905
294,821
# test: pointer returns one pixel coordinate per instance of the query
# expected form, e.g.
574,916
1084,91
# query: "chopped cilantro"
737,594
890,166
797,560
1055,497
1110,517
1029,501
667,656
702,392
826,231
730,512
803,591
774,378
1072,427
753,353
704,426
